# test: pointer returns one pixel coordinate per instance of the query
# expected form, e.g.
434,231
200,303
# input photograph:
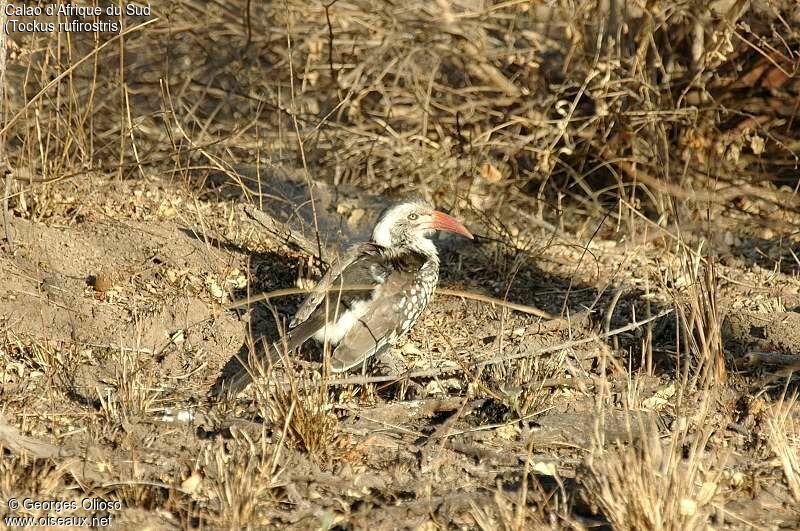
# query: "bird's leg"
390,362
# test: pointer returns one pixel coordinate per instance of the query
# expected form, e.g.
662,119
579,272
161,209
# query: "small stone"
101,281
410,348
191,483
546,469
214,288
688,507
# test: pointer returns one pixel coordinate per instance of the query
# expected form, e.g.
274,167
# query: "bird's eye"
412,217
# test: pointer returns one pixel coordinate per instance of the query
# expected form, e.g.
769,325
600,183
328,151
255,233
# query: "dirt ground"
99,367
614,350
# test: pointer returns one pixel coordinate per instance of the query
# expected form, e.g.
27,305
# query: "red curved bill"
442,221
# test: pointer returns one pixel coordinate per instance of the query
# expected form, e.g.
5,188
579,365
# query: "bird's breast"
416,298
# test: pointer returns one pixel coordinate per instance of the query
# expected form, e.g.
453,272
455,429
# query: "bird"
370,297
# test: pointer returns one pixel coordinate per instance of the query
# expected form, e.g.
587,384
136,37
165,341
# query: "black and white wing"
349,284
388,316
363,265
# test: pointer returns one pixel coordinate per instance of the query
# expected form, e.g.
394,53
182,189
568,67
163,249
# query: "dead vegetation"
630,168
654,485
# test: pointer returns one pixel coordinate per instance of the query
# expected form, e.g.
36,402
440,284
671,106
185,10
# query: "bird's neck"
425,247
424,254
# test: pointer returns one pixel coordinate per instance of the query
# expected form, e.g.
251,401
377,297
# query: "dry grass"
699,338
304,410
553,101
782,433
654,485
240,484
621,157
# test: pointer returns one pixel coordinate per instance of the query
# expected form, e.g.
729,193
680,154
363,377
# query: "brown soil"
631,174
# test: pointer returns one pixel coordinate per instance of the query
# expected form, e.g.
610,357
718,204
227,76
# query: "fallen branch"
13,440
285,292
756,359
281,231
404,412
430,373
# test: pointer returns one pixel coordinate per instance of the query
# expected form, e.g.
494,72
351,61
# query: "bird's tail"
253,359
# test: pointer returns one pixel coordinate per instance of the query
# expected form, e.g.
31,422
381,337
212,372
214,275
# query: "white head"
409,225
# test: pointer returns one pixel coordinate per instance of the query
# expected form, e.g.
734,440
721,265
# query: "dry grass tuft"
132,391
241,478
302,410
22,475
522,386
508,514
701,357
651,485
783,439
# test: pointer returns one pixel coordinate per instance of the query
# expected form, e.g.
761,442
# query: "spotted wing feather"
391,313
